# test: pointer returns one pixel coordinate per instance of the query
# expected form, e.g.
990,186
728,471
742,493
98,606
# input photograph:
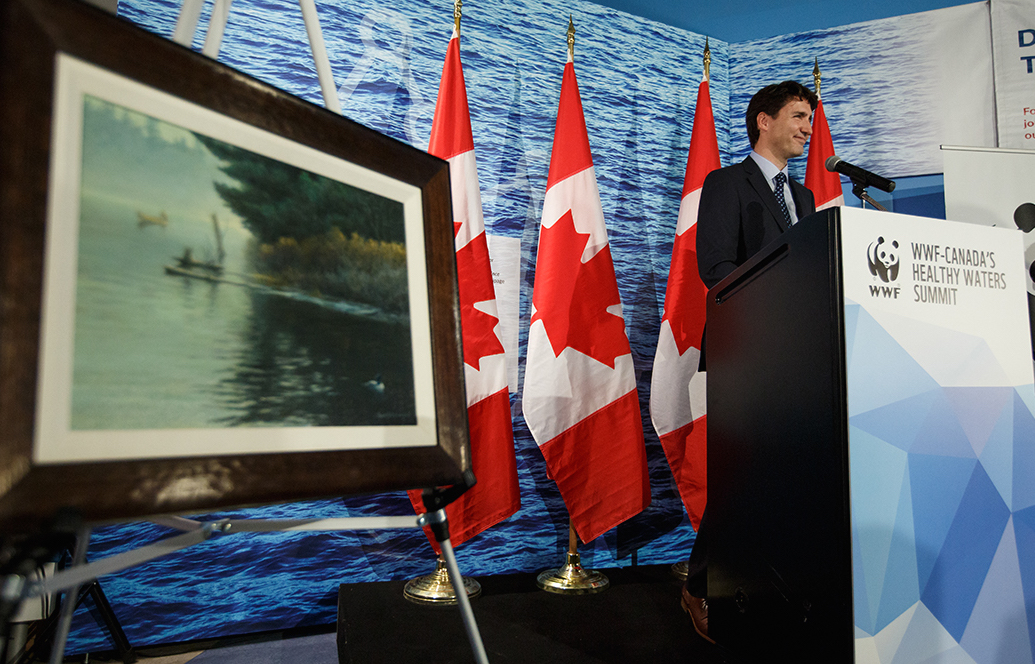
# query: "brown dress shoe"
697,607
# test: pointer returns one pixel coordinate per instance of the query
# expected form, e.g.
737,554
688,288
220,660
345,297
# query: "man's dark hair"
771,99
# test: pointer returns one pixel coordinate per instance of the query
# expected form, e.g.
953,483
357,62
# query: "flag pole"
436,588
571,38
681,569
572,578
824,184
707,59
596,436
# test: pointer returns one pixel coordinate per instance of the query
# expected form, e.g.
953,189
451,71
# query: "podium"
871,444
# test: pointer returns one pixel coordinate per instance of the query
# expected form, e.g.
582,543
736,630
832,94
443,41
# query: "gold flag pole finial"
707,59
816,76
571,38
457,6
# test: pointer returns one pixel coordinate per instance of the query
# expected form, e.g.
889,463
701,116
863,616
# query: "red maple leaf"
572,297
686,296
475,281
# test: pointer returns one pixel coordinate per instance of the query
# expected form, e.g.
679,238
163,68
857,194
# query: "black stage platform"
637,620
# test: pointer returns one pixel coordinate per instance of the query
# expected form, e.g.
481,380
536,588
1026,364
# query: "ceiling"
745,20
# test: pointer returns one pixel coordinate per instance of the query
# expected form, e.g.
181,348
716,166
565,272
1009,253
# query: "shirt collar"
769,169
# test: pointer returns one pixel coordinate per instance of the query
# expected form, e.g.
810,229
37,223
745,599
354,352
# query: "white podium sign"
941,439
935,283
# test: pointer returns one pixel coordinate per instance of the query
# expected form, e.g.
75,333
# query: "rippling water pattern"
639,102
862,64
638,81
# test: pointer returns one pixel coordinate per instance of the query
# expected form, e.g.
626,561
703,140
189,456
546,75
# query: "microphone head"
1024,217
832,162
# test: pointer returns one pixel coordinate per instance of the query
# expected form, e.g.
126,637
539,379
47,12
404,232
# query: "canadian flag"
825,185
579,396
677,390
496,496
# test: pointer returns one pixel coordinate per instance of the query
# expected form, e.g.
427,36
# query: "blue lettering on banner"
1023,34
1028,59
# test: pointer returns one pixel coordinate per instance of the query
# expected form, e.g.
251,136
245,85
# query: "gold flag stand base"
572,579
436,588
680,570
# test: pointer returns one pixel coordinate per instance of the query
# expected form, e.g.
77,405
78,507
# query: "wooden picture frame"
106,402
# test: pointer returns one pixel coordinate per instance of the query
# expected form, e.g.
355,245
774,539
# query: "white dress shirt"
769,170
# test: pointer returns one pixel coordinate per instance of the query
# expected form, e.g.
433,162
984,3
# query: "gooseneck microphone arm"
859,176
860,193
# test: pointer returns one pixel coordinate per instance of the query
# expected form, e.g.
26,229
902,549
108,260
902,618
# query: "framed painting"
213,292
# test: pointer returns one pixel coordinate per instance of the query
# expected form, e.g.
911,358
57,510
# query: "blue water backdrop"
638,82
879,86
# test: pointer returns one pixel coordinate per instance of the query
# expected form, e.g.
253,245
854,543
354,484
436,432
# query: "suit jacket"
739,215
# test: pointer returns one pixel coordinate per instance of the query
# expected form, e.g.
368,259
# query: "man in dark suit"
743,208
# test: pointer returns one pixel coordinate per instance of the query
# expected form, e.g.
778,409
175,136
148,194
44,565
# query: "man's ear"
763,119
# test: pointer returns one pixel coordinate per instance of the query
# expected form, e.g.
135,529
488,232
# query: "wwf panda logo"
883,259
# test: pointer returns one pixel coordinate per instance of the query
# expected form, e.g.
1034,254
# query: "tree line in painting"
315,234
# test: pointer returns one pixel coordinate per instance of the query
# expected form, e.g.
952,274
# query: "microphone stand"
860,191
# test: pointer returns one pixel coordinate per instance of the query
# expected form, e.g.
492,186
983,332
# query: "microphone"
859,176
1024,217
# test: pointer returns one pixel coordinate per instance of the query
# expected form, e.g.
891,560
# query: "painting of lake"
216,287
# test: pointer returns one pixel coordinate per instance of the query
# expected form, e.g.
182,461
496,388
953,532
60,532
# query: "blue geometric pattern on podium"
943,499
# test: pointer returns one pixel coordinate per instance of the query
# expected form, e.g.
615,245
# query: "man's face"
785,134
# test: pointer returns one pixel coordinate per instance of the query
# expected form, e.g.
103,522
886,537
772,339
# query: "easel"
47,628
64,537
16,586
80,579
187,25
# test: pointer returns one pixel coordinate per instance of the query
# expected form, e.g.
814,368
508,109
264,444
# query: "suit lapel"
764,191
800,197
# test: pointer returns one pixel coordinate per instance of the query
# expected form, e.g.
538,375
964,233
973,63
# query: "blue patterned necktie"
780,179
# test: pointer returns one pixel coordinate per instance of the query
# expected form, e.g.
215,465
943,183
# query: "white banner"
1013,43
505,259
987,186
942,289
